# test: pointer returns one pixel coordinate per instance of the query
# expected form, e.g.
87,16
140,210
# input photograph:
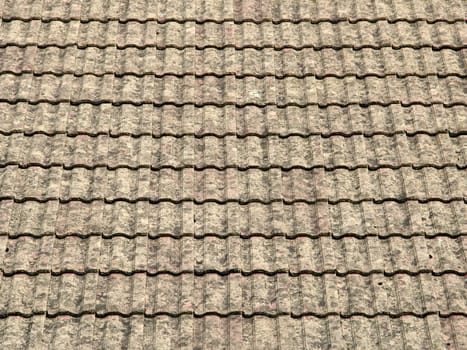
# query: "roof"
233,174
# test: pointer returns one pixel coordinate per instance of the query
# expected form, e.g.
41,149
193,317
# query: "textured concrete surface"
236,174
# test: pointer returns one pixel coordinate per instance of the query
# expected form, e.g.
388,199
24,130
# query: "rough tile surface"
235,174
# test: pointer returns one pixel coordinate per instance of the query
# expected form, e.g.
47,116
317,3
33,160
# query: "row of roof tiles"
266,35
256,255
168,219
232,185
230,90
259,332
235,9
211,61
314,151
139,293
148,119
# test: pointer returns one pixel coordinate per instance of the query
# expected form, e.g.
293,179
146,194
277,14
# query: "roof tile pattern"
233,174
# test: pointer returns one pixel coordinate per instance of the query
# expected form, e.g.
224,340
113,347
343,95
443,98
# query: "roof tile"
212,9
114,332
24,294
138,9
72,293
170,294
20,331
165,332
58,33
119,293
99,9
219,332
128,119
21,8
453,327
80,218
170,255
68,332
16,59
122,254
58,9
122,218
447,254
171,219
29,254
54,59
175,9
21,32
91,59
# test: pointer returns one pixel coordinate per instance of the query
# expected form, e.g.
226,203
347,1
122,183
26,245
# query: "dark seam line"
238,105
225,273
238,48
157,47
111,134
238,201
224,168
231,20
227,314
243,236
236,75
